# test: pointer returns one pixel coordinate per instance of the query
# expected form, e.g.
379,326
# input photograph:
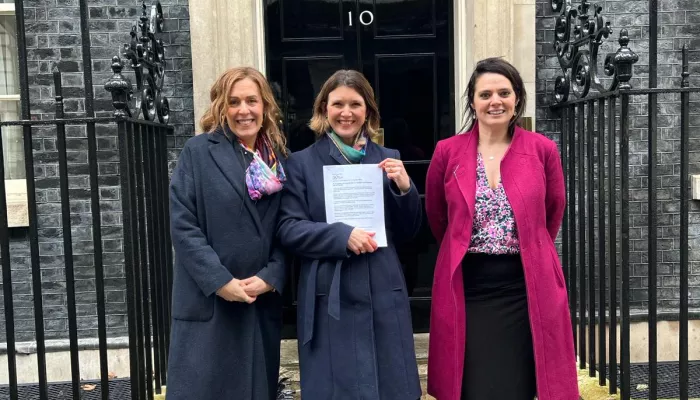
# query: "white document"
355,196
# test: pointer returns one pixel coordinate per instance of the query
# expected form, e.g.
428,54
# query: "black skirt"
499,361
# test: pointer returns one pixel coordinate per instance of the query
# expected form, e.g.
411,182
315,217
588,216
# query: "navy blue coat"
354,320
221,349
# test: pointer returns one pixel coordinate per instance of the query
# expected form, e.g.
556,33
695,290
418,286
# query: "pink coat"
534,183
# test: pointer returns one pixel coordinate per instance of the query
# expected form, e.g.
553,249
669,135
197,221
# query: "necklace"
490,158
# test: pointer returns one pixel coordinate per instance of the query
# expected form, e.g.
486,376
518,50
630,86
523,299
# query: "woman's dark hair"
495,65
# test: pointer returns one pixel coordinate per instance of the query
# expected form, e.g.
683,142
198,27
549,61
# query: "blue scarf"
354,154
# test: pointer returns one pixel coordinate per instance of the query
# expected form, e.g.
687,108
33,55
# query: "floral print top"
494,230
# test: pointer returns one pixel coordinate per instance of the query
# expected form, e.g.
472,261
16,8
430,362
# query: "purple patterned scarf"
264,175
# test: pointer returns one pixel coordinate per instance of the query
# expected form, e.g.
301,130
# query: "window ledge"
17,206
7,8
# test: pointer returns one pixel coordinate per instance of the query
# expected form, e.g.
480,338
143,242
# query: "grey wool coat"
221,349
354,320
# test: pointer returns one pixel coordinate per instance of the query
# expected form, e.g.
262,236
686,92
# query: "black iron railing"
596,159
141,154
146,243
147,250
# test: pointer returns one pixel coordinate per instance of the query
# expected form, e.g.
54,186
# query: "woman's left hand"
255,286
397,173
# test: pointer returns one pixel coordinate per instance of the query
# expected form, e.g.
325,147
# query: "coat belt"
310,300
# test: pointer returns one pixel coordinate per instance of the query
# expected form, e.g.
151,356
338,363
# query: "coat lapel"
511,173
328,152
222,151
465,171
373,154
335,154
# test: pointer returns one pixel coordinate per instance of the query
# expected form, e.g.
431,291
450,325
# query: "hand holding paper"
354,195
396,171
361,241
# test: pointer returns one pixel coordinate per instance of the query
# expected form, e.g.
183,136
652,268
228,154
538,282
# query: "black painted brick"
677,26
52,29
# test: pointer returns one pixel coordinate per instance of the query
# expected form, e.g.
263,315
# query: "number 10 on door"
366,18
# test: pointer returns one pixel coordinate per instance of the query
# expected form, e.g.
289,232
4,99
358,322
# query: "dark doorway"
404,48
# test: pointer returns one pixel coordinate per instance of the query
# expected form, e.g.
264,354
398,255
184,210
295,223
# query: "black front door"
404,48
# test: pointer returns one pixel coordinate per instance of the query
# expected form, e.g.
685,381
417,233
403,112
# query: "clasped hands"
244,290
360,241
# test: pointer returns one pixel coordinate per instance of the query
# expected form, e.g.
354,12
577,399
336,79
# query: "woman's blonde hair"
215,116
356,81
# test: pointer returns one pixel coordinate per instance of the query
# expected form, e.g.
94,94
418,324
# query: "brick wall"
679,24
53,38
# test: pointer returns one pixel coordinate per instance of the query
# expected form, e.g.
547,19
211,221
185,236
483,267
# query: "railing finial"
577,39
685,74
57,90
623,60
147,55
120,88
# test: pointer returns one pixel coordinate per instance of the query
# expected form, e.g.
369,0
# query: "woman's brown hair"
356,81
215,116
495,65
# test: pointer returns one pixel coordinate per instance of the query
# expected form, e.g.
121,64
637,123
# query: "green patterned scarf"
354,154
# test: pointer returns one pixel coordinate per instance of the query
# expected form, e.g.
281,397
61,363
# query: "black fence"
147,250
142,176
147,256
595,149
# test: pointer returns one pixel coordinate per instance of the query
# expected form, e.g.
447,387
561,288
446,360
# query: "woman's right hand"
233,291
361,241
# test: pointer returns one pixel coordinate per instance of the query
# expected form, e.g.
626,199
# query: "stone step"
289,363
290,369
294,386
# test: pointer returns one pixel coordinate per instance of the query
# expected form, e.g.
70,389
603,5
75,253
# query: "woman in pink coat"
499,326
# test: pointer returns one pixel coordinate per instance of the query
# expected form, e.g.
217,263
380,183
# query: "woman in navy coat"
354,320
225,194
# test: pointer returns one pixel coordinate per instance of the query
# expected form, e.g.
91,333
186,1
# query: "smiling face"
245,112
494,100
346,112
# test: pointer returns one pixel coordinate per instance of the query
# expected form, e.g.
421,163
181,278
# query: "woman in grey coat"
353,321
228,275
